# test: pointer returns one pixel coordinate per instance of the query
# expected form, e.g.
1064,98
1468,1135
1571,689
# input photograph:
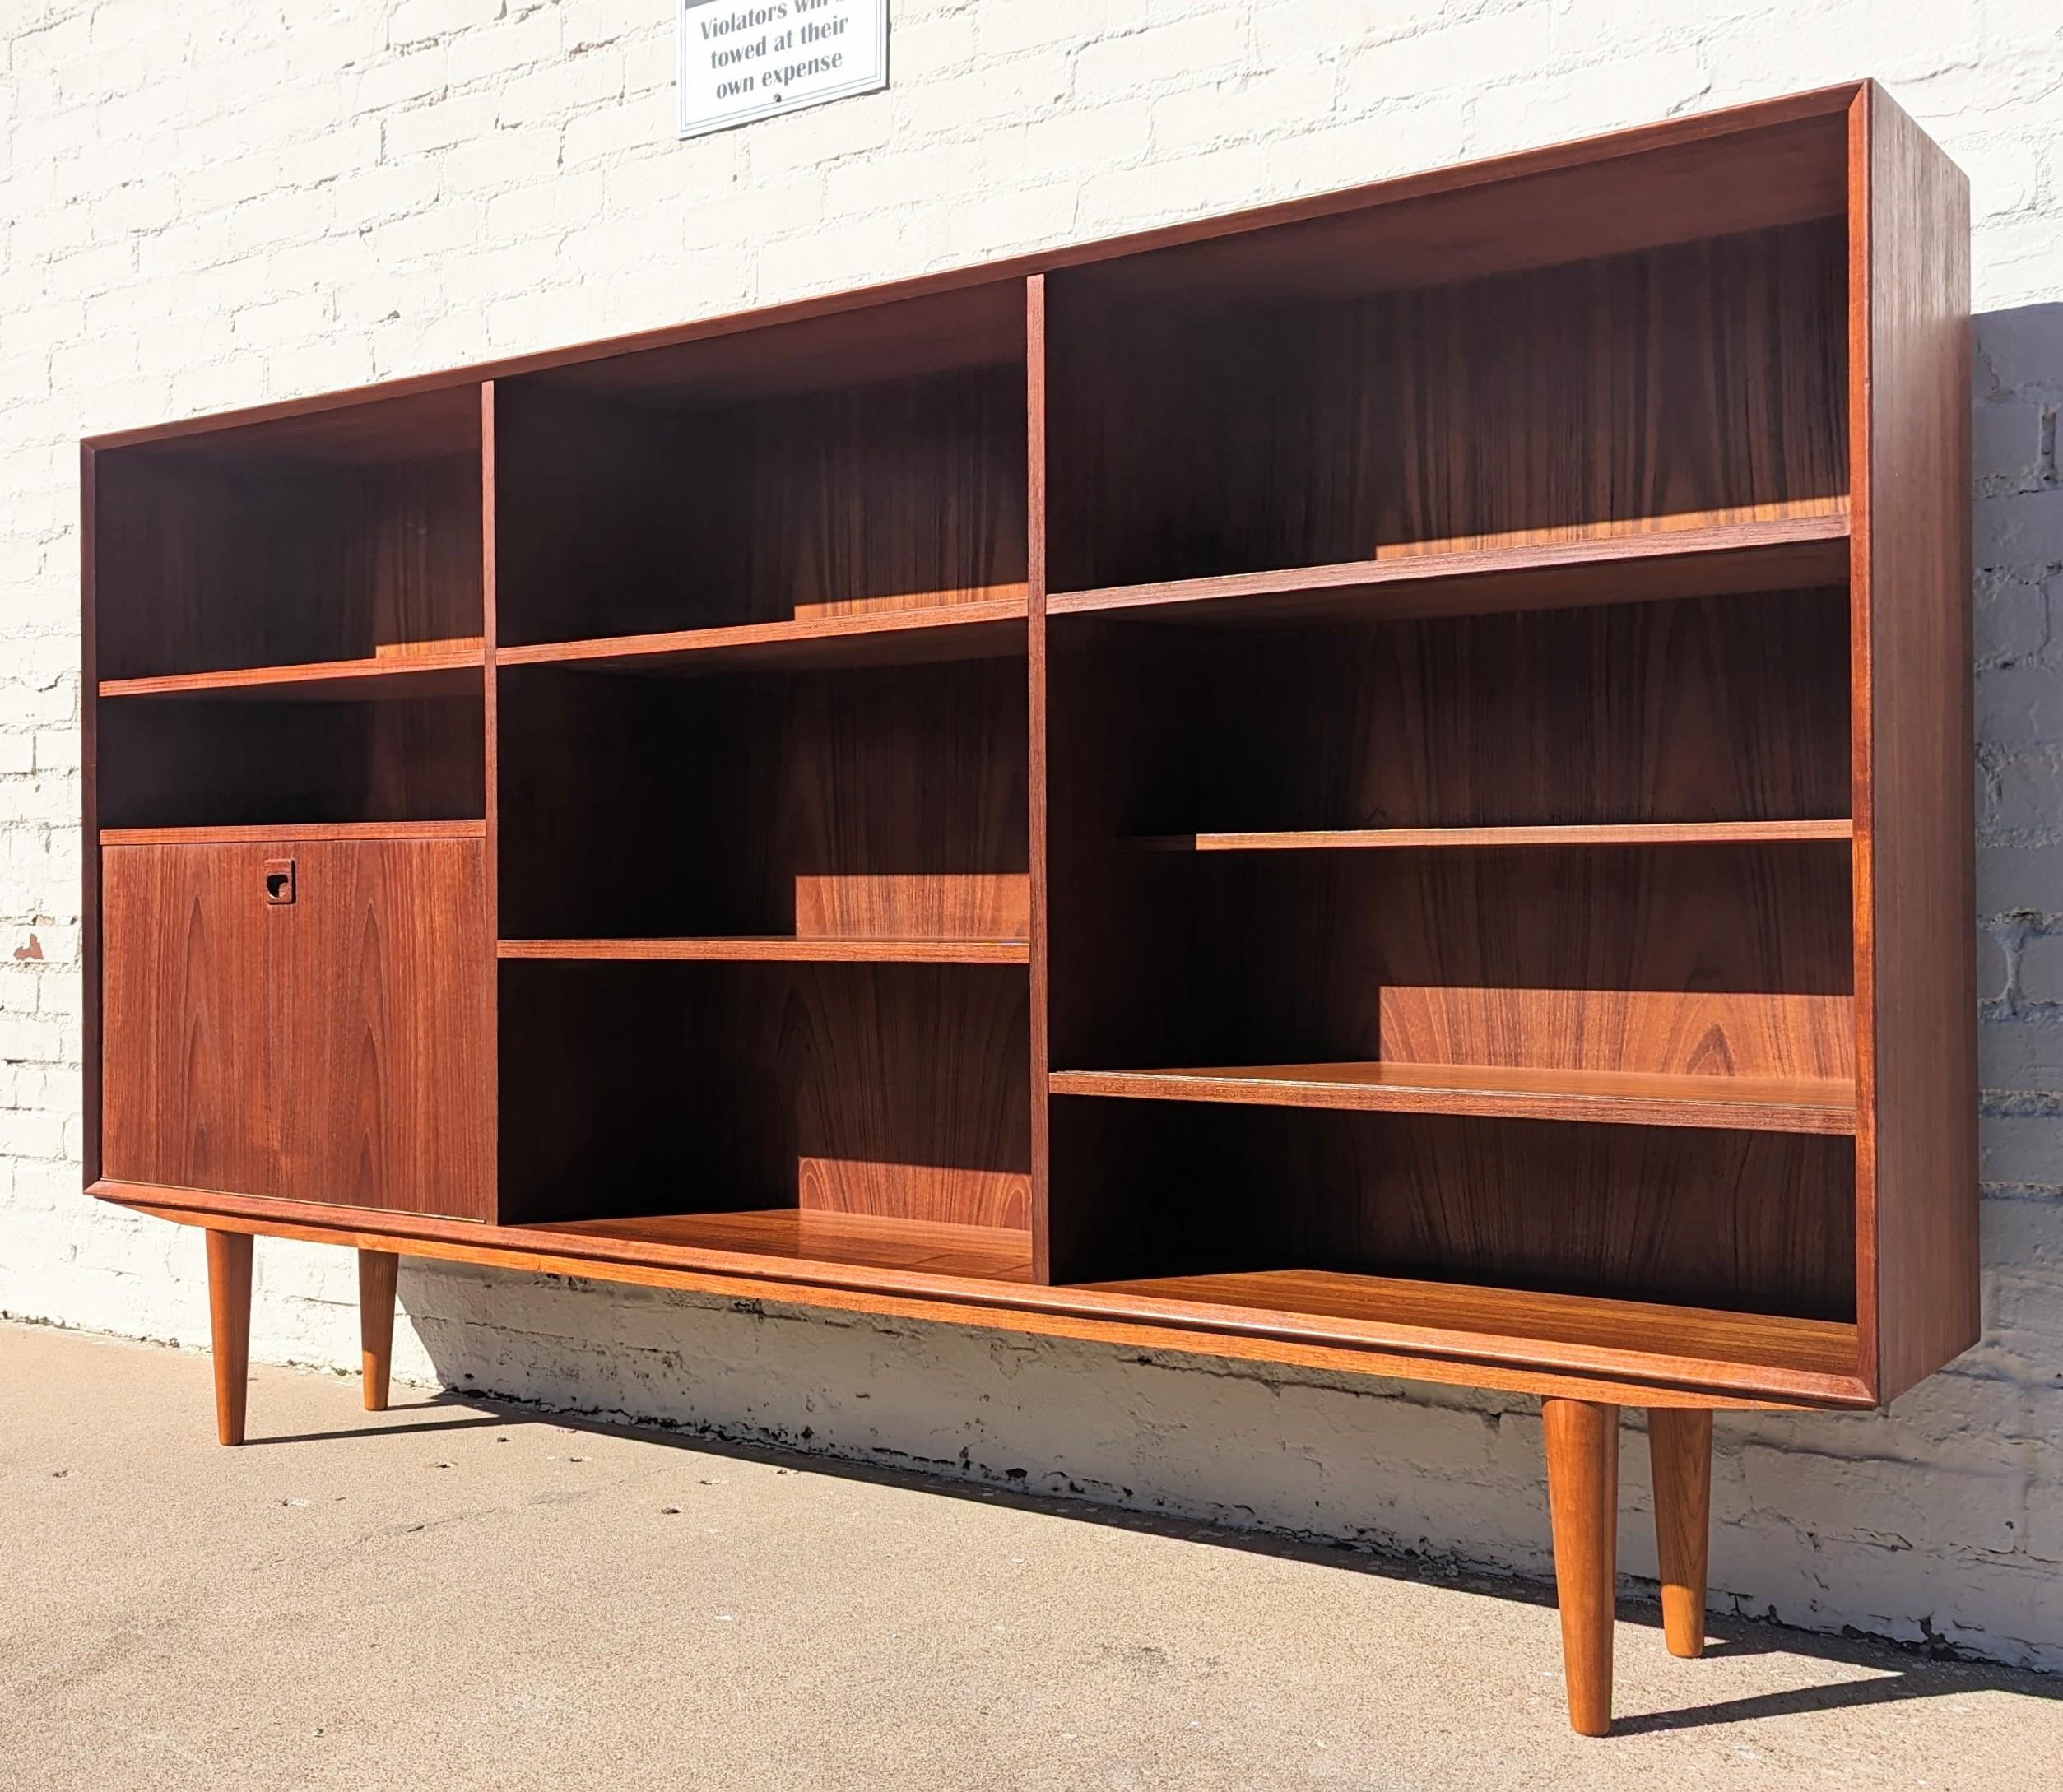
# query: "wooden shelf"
1455,1315
246,835
982,629
931,1247
1624,1097
778,949
1787,553
452,673
1578,833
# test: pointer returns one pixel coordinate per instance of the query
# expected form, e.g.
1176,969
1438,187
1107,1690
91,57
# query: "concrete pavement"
457,1595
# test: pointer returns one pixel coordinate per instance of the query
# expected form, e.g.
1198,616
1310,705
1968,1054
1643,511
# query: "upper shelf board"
451,674
991,627
1784,554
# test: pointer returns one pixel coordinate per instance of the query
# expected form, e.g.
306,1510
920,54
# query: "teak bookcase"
1383,783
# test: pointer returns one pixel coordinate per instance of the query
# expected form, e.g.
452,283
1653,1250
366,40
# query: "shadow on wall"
1935,1523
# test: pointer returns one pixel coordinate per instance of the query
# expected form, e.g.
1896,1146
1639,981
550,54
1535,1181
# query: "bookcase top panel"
1747,167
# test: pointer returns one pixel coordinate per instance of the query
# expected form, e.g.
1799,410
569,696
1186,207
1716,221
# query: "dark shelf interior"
1742,1221
1209,426
888,804
728,1089
176,761
856,466
353,535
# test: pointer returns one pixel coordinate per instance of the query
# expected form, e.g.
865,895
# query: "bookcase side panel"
1913,587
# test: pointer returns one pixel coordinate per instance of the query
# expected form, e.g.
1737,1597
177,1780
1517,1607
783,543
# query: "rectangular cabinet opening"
731,1108
226,761
1473,842
349,535
1206,421
857,808
1649,1235
847,466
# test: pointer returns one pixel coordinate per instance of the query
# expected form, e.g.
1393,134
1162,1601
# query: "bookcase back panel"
207,565
884,805
1707,710
1754,1221
171,762
1697,384
622,517
1725,959
1706,961
699,1088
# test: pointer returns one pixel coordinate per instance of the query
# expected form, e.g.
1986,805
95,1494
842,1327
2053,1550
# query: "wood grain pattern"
1755,1222
377,1272
621,519
445,673
1792,142
978,627
215,562
1823,1347
1776,554
334,830
335,1049
991,1253
1512,506
1581,1440
228,1321
775,949
1735,959
1515,1364
1039,707
1619,1097
928,1121
1577,833
889,805
173,762
1916,929
1715,710
1679,1449
1689,386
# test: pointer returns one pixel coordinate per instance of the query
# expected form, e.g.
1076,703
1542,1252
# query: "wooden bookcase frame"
1380,784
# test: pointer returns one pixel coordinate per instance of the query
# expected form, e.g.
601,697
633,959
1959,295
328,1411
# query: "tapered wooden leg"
1582,1498
376,1322
229,1314
1679,1455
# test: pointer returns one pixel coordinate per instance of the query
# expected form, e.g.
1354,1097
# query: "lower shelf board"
929,1247
777,949
1623,1097
1807,1346
1633,1352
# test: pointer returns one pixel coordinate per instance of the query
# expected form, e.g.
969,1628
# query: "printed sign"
741,60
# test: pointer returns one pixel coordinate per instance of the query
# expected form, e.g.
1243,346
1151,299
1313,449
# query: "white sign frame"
772,18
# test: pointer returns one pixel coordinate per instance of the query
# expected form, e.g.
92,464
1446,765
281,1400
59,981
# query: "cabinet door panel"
195,999
331,1048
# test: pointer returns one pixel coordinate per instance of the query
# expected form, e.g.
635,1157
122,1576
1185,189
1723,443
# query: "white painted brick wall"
214,204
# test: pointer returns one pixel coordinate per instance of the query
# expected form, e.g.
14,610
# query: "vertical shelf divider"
1035,663
491,850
